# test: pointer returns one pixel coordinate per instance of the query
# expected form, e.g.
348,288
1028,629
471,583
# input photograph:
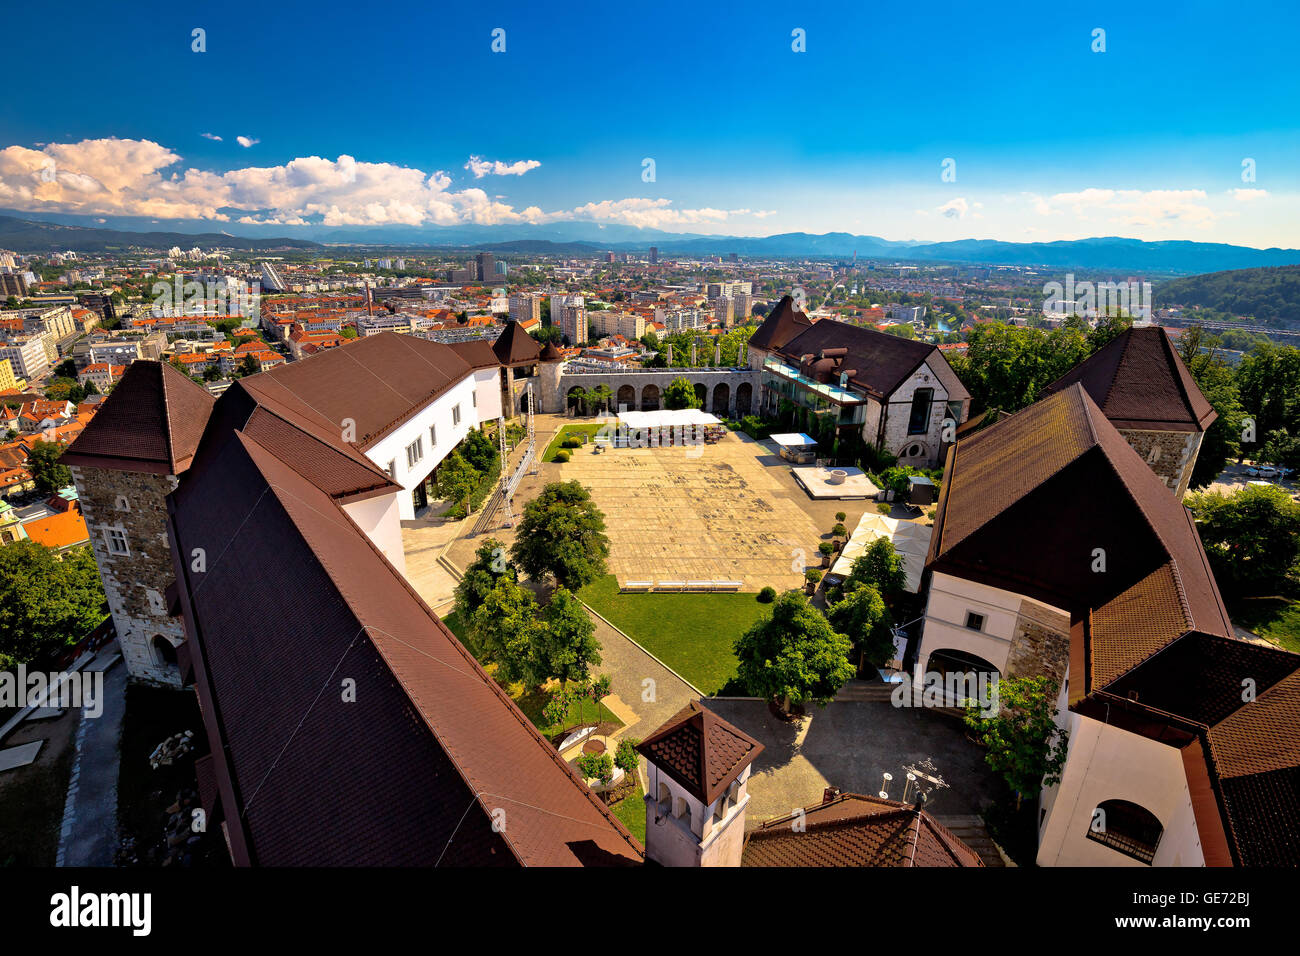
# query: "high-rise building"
654,255
569,314
525,305
13,283
630,325
271,280
485,267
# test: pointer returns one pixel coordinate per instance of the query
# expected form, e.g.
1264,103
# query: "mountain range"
1130,256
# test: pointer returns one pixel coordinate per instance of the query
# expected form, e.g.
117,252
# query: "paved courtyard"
710,512
850,745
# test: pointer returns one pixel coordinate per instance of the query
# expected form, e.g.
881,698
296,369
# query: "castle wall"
1171,455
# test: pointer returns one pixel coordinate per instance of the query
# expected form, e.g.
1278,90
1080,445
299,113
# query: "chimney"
830,794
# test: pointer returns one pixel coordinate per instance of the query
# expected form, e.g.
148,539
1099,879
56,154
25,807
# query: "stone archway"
744,399
572,400
702,394
721,399
650,398
626,397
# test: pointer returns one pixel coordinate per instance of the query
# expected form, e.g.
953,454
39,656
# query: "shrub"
812,575
561,456
767,595
598,766
839,531
840,516
884,507
826,548
571,443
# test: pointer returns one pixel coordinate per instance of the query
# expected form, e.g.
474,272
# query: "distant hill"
1268,294
23,235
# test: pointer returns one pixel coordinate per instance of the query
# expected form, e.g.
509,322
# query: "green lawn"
631,812
691,633
1276,619
589,429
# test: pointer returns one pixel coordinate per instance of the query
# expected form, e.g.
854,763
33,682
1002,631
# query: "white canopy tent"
910,540
793,439
668,418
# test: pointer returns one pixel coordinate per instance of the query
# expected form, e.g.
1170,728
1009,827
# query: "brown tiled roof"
700,750
1058,473
550,353
878,363
1139,381
514,346
152,422
378,381
477,353
855,830
430,752
782,324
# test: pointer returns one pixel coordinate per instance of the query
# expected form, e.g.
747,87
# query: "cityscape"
467,500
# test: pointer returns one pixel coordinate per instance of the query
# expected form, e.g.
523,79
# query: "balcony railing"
828,391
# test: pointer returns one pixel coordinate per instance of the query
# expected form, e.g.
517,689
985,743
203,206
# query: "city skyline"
956,125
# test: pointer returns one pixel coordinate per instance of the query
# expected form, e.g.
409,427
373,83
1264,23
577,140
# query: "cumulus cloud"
1248,195
246,141
118,177
954,208
484,167
1138,207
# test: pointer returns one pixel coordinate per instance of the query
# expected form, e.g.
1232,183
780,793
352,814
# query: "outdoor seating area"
910,540
796,447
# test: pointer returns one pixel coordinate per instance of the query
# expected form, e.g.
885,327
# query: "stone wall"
1040,644
555,386
134,583
1171,455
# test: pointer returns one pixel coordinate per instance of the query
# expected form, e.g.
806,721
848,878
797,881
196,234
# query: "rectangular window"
974,621
414,452
433,436
474,399
919,422
392,469
455,414
116,539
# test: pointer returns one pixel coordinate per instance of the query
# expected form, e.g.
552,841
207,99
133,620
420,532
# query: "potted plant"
811,578
827,549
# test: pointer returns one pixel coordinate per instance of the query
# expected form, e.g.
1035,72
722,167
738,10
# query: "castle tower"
125,463
698,768
548,372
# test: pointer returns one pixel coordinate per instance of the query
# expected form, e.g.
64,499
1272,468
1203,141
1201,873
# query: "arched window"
665,797
1126,827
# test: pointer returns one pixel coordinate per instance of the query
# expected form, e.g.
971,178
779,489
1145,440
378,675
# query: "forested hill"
1267,294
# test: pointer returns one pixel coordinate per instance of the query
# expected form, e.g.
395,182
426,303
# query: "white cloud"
955,208
484,167
246,142
1137,207
212,136
1248,195
118,177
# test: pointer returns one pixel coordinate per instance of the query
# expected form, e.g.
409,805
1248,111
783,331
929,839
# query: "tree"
562,537
1252,537
457,480
578,398
564,648
680,393
600,396
501,631
43,463
794,656
490,564
1024,743
880,567
596,767
45,603
1215,378
861,614
479,450
626,758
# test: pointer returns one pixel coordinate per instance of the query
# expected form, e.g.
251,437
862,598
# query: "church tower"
698,768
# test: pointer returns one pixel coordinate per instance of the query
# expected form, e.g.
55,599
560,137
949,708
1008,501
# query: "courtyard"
721,512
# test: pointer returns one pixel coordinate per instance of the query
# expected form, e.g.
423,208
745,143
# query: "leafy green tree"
1023,741
562,537
457,480
680,393
1008,366
502,630
794,656
626,758
879,567
490,564
1252,537
1217,382
596,766
564,648
45,603
479,450
43,463
600,396
861,614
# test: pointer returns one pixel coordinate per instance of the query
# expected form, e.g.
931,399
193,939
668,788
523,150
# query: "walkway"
89,833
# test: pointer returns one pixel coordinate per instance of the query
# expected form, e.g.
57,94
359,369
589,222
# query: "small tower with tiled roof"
125,463
1142,386
782,324
697,775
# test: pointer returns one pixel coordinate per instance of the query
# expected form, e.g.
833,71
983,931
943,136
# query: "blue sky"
1050,139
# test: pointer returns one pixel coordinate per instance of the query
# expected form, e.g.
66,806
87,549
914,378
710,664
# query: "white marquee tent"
911,540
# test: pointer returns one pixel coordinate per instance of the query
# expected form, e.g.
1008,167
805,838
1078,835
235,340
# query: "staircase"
857,691
970,829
